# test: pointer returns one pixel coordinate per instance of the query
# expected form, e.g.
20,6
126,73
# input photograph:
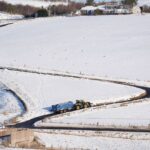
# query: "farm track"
111,129
30,123
3,25
71,75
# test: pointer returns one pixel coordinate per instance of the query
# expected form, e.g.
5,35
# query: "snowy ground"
90,45
125,116
42,44
92,142
144,2
41,90
106,46
7,16
10,106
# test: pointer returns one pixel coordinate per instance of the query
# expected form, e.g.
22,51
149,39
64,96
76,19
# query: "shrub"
89,2
146,9
98,12
129,2
42,13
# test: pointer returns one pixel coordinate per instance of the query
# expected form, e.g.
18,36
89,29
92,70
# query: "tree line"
17,9
30,11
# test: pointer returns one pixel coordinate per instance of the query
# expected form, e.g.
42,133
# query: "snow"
86,8
35,3
108,46
136,114
82,45
42,91
10,106
64,141
6,16
101,7
90,45
144,2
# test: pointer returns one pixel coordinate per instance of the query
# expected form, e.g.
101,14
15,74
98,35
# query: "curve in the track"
30,123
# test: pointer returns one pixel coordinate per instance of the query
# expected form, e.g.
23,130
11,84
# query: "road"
30,123
5,24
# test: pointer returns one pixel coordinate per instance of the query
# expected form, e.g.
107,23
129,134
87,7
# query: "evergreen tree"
129,2
89,2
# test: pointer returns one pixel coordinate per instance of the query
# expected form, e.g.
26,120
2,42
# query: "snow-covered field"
7,16
106,46
144,2
81,47
44,90
125,116
64,141
10,106
90,45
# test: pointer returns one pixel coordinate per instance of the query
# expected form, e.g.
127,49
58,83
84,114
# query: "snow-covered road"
7,73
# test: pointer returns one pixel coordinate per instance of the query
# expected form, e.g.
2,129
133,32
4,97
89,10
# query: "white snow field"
64,141
136,114
112,46
144,2
10,106
44,91
106,46
7,16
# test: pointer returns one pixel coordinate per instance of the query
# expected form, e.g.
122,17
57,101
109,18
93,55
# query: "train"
70,106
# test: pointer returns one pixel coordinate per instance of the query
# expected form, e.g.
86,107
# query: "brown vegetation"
63,10
146,9
17,9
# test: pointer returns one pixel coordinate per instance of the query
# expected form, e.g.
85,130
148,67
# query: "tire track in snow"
74,75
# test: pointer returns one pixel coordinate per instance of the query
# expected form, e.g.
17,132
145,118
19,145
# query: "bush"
129,2
89,2
42,13
146,9
98,12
